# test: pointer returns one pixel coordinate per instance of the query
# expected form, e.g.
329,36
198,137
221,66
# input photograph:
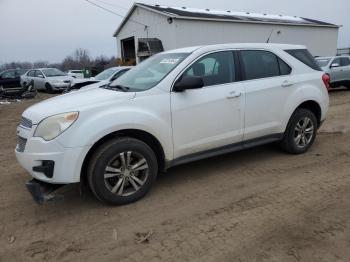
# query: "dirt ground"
256,205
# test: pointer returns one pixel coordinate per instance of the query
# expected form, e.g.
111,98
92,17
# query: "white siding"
321,41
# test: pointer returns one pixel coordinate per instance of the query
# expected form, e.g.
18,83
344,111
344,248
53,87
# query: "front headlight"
52,126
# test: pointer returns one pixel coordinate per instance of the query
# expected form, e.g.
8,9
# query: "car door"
336,70
8,79
209,117
268,83
345,68
39,80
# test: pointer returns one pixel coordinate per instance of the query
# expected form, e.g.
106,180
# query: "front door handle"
287,83
234,94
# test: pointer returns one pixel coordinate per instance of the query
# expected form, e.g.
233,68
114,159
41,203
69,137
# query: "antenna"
268,39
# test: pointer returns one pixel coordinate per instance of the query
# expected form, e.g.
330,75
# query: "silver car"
49,79
338,68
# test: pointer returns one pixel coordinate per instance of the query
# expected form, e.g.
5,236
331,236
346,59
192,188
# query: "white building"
148,29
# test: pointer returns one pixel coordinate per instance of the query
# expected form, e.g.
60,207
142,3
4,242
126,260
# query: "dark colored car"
11,78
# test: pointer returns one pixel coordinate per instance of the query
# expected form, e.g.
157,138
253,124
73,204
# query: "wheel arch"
141,135
313,106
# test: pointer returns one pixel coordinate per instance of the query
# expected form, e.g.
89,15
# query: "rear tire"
122,171
300,133
49,88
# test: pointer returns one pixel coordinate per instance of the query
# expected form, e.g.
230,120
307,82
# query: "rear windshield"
303,55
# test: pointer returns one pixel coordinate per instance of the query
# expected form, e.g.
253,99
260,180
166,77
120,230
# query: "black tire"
108,156
291,135
49,88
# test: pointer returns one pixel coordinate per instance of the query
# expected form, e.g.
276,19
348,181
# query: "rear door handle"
287,83
234,94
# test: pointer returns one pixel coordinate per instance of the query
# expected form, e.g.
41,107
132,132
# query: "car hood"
74,101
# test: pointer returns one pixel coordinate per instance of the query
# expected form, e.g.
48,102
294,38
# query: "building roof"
228,16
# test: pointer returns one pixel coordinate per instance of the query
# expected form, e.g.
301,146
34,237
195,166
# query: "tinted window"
284,68
259,64
344,61
304,56
216,68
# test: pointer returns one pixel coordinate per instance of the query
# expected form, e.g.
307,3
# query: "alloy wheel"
304,132
126,173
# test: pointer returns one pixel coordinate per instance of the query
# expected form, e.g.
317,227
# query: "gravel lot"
256,205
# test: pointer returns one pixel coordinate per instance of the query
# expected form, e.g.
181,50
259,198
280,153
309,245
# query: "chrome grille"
21,144
25,122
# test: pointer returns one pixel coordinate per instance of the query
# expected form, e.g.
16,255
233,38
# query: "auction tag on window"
169,61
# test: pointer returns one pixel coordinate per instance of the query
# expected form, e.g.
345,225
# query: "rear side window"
284,68
344,61
262,64
304,56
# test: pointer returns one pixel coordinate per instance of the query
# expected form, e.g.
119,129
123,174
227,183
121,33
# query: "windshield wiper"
118,87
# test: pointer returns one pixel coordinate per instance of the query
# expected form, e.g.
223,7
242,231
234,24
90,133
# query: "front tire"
122,171
300,133
49,88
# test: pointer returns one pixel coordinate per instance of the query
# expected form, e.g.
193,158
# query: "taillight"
326,80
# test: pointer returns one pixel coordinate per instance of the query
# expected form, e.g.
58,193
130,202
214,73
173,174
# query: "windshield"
322,62
104,75
52,72
150,72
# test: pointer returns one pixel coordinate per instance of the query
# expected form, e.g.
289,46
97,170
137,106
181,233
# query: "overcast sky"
33,30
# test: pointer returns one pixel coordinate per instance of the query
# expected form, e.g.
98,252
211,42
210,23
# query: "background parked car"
338,68
76,73
102,78
49,79
11,78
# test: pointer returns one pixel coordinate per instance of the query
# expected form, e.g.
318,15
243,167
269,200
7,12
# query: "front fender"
93,126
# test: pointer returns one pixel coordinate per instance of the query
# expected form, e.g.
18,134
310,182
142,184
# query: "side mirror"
41,76
334,65
188,82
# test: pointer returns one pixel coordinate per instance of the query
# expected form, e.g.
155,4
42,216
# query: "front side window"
215,69
336,61
261,64
31,73
38,73
150,72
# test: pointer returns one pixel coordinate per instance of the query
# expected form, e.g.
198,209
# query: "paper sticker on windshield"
169,61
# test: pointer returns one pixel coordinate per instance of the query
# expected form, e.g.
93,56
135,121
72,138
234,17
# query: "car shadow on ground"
75,197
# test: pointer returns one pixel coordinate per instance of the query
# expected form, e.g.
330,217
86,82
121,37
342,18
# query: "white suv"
175,107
